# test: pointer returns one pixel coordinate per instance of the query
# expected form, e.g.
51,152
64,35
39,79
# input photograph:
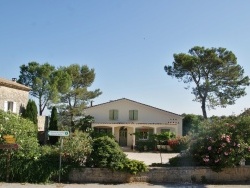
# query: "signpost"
8,146
59,133
9,139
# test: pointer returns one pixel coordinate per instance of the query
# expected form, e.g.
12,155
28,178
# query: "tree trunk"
40,106
72,124
203,107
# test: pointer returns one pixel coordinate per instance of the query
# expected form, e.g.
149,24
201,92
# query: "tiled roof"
13,84
134,102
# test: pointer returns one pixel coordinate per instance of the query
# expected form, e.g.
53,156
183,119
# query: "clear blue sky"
127,42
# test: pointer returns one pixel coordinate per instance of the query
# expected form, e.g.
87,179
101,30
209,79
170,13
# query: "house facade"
13,96
124,117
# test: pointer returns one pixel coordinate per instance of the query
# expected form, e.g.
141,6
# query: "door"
123,136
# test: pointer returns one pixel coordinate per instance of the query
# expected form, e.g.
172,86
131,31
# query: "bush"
182,161
23,130
179,143
77,147
37,170
145,145
222,143
134,166
41,169
33,163
106,153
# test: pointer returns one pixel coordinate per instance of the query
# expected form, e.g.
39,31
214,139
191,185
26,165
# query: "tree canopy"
39,78
218,79
77,96
65,87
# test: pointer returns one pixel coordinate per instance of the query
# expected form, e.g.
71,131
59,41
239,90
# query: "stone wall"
162,175
20,97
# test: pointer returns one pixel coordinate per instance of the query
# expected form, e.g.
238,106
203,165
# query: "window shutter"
14,107
5,106
130,114
115,114
135,114
111,117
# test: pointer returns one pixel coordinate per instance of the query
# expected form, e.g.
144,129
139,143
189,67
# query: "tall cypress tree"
31,112
53,126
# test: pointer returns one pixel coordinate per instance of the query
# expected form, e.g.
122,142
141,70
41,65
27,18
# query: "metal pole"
60,160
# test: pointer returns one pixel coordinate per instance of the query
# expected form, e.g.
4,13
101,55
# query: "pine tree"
53,126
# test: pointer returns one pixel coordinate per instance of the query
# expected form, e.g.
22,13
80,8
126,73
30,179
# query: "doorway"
123,136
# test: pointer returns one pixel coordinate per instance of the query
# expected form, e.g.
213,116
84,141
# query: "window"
143,135
133,114
113,114
9,106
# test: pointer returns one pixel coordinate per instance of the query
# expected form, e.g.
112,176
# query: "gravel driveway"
149,158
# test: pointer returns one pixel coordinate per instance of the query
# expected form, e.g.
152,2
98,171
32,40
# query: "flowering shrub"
221,144
179,143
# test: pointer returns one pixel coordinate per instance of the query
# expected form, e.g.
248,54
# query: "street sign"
58,133
9,139
9,146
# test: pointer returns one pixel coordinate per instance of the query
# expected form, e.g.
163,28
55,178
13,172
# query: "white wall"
146,114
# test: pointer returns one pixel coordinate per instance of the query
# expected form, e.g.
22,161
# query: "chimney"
14,79
91,103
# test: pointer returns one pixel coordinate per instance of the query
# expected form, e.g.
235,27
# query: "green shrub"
24,131
41,169
145,145
134,166
77,147
38,170
186,160
34,163
107,153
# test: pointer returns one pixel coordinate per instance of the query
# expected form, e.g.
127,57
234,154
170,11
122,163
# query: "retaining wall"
162,175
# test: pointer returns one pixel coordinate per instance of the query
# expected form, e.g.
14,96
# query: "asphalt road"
127,185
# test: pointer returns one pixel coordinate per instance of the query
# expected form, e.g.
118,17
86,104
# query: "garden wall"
161,175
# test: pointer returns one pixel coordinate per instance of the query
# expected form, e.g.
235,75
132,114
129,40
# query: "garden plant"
219,144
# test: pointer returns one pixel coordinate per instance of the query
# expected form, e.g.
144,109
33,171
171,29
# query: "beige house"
123,117
13,96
